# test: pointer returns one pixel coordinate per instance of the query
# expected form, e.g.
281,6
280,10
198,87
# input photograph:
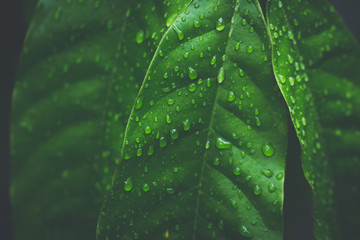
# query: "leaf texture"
316,62
205,145
77,81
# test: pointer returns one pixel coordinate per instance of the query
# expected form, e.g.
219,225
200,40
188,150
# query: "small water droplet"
139,103
221,75
257,190
140,37
271,187
220,25
128,184
231,96
146,187
192,73
244,231
186,125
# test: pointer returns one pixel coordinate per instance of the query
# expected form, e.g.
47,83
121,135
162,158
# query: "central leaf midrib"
209,132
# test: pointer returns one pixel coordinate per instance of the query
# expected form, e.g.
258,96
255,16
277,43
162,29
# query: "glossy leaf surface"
316,63
78,79
205,145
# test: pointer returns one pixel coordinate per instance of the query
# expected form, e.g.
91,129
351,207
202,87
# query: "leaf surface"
78,78
316,63
205,146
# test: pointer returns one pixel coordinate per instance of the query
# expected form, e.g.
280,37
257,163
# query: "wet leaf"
205,145
316,62
78,78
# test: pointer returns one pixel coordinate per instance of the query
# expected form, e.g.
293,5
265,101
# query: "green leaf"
205,146
316,63
77,81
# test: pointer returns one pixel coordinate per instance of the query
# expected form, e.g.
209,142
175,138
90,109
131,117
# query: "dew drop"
163,142
221,75
140,37
222,143
257,190
186,125
268,150
128,184
192,73
174,134
139,103
271,187
146,187
231,96
179,33
244,231
220,25
192,87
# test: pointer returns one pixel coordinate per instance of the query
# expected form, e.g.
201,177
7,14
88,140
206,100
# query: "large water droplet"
268,150
179,33
222,143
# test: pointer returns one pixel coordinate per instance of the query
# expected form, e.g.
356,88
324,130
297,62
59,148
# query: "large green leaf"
316,62
205,145
78,79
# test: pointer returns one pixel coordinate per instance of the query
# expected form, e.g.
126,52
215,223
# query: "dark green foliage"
192,101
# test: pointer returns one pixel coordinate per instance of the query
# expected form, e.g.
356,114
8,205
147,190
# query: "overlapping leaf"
78,79
205,145
316,64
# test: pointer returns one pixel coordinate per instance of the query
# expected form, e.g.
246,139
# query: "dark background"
12,37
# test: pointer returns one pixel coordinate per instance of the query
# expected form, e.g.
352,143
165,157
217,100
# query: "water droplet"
279,176
268,150
186,125
174,134
179,33
221,75
192,73
197,24
140,37
151,150
271,187
139,103
213,60
244,231
146,187
222,143
147,130
267,173
220,25
250,49
207,144
168,119
170,190
237,171
216,161
231,96
257,190
128,184
192,87
163,142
